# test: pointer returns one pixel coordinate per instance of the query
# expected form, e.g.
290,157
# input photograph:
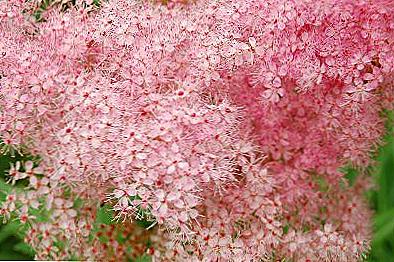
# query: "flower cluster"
222,124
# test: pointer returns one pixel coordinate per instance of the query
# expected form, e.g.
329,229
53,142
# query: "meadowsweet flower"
222,124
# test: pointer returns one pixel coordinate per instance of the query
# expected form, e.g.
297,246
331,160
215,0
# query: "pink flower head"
222,123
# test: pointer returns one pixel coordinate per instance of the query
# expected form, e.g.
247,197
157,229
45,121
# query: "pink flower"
221,122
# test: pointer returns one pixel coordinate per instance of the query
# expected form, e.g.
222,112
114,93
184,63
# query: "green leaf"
386,231
105,215
383,218
144,258
24,248
10,229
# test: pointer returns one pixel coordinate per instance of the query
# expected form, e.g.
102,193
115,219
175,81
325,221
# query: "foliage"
383,199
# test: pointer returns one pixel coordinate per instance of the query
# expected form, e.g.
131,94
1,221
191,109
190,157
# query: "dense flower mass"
221,124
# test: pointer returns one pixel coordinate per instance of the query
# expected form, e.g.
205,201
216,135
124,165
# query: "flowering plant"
222,126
